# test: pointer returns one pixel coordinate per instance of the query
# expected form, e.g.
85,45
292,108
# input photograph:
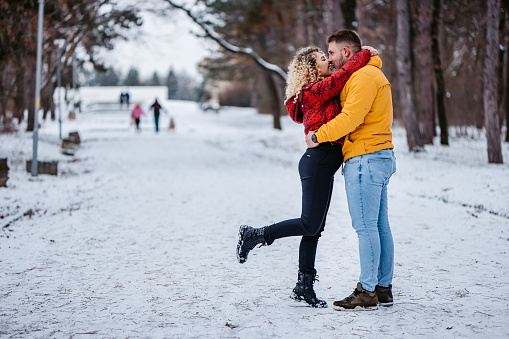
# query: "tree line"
447,61
68,25
181,85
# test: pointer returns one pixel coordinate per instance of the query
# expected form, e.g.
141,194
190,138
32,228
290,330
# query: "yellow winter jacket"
366,117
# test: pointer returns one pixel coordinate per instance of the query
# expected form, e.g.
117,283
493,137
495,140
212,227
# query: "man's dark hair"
346,36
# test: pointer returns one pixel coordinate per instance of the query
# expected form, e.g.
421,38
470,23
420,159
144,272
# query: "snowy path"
137,237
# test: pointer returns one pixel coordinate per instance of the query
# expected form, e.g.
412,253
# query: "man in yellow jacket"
365,120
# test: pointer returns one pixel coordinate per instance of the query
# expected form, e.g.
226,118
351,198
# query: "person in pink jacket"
136,113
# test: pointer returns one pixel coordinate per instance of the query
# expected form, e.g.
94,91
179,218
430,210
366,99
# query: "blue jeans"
366,179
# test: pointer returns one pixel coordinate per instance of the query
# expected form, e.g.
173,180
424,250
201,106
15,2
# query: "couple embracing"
347,116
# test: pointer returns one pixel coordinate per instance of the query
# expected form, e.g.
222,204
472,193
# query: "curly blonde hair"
301,71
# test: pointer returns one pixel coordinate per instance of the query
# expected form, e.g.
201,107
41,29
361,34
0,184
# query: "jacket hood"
375,61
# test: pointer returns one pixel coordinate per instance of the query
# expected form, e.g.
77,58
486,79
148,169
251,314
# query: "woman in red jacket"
312,98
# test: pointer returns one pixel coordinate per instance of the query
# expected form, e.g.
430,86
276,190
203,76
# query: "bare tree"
490,83
348,8
273,71
72,23
421,14
328,17
300,26
229,47
414,138
439,76
504,108
507,99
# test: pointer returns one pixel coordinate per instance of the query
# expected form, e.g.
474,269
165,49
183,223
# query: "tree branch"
232,48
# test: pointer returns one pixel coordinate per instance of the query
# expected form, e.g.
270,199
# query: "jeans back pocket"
381,170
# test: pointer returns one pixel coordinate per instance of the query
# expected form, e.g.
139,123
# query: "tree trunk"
338,21
276,99
434,113
507,99
439,76
327,11
300,27
502,61
503,107
47,102
31,95
490,79
507,114
19,100
414,138
2,94
3,104
421,15
328,22
348,8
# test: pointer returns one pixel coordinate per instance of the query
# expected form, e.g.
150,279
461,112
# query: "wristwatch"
314,139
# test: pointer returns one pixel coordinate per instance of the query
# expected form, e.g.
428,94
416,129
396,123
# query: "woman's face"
323,65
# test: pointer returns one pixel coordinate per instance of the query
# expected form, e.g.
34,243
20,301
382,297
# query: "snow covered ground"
136,236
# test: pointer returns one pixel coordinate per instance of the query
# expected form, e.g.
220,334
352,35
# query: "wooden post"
4,171
68,146
44,167
75,137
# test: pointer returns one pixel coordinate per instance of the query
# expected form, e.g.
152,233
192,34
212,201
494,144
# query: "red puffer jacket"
318,102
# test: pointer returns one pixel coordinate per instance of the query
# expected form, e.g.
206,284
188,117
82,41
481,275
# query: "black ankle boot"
249,237
303,291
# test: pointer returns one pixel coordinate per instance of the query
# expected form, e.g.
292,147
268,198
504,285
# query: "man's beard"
340,63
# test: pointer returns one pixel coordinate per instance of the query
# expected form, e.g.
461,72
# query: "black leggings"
316,168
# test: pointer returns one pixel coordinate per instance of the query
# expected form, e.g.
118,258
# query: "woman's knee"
312,227
309,239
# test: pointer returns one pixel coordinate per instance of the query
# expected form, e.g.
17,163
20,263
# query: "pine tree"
155,79
172,84
132,78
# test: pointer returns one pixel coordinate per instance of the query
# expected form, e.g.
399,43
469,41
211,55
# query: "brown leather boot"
384,295
359,300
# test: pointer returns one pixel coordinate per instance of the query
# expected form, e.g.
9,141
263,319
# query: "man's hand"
310,142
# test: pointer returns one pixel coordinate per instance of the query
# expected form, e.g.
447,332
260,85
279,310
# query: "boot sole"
302,302
356,308
298,302
386,304
242,230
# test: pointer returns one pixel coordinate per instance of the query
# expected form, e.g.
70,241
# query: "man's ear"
346,51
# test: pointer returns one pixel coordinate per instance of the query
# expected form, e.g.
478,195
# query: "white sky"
162,41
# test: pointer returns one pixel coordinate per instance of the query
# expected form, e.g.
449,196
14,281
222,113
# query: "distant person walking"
126,98
172,125
122,97
156,107
136,114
